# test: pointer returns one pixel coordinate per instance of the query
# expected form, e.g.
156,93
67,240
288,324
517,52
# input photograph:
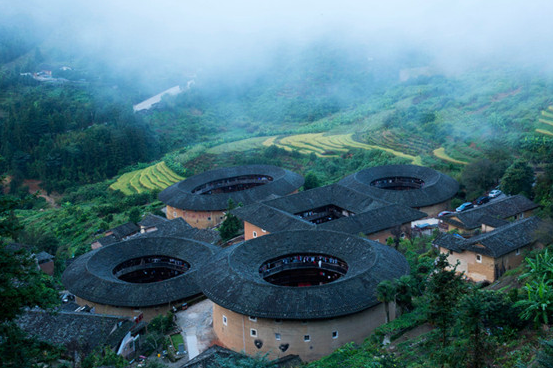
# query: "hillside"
325,111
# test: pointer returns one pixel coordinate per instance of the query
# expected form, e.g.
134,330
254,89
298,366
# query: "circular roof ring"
234,277
96,276
211,190
409,185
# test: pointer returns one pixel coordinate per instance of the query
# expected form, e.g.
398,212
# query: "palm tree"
404,287
386,293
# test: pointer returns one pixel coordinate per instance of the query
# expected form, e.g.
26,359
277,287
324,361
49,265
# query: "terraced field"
440,153
157,176
399,141
546,118
242,145
329,145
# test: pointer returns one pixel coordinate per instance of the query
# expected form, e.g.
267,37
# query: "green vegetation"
323,112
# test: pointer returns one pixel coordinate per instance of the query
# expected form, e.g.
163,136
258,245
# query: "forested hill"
66,119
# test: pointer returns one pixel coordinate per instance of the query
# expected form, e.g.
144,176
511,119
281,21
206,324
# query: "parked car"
443,213
482,200
183,306
495,193
464,206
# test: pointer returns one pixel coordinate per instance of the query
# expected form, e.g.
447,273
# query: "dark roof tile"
87,329
437,187
91,275
180,195
496,243
502,208
371,215
231,278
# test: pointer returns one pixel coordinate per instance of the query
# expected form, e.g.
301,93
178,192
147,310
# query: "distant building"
487,256
333,207
202,200
298,292
45,262
414,186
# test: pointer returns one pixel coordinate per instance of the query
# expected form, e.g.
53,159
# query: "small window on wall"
334,334
518,252
263,230
277,336
254,234
479,258
174,213
253,319
224,320
253,332
209,219
306,338
278,320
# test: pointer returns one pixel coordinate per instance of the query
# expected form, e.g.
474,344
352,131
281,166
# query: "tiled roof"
502,208
180,195
437,187
371,215
91,275
180,228
496,243
87,329
231,278
43,256
124,230
151,220
107,240
210,357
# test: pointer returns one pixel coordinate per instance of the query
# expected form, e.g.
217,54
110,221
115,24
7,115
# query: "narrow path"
192,343
196,325
34,187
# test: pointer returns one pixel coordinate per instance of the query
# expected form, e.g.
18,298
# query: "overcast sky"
220,31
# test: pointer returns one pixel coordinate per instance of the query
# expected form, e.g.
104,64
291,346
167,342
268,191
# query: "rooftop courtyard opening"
398,183
305,269
323,214
232,184
148,269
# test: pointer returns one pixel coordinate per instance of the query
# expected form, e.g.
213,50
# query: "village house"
489,216
81,332
333,207
487,256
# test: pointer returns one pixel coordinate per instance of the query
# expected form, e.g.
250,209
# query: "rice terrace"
158,176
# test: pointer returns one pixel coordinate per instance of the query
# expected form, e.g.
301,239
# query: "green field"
241,145
440,153
157,176
546,118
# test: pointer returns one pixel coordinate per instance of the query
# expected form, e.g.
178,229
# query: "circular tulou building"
414,186
144,275
298,292
202,200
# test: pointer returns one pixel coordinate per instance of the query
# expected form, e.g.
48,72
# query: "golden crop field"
157,176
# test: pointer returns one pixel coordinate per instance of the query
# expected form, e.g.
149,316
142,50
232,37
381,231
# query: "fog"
187,36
